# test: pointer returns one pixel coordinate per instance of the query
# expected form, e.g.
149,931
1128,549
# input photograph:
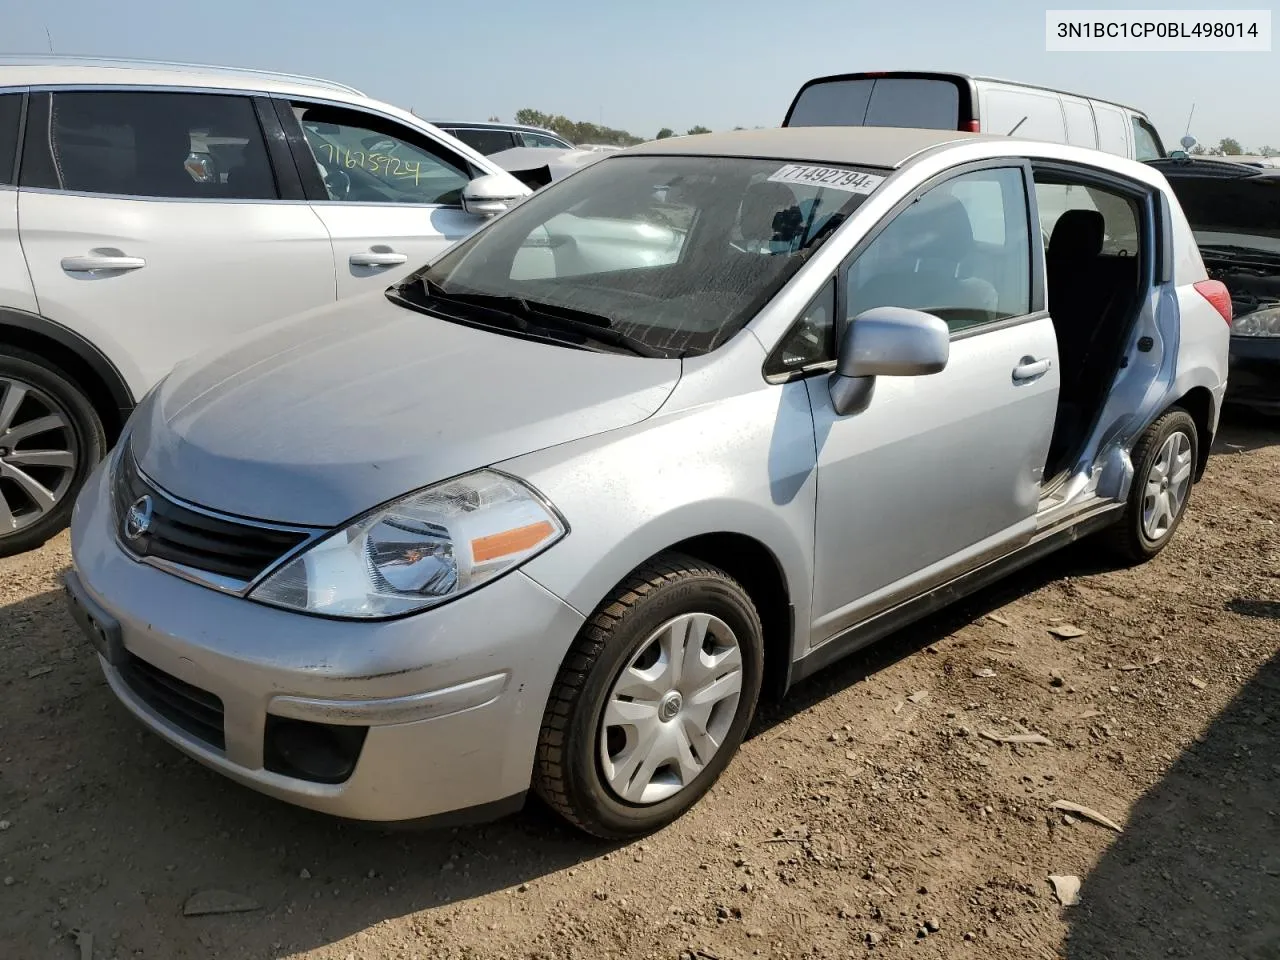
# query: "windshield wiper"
547,317
1235,252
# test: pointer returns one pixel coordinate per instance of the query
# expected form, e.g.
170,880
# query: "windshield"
673,253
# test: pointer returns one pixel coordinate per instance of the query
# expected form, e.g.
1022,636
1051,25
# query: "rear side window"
136,144
486,141
879,102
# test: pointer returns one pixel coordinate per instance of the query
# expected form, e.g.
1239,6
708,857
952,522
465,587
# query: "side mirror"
885,342
488,196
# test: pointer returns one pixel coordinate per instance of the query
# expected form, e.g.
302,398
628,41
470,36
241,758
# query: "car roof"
40,70
969,77
888,147
492,125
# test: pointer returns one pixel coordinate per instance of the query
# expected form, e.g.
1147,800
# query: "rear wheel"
50,439
652,701
1164,462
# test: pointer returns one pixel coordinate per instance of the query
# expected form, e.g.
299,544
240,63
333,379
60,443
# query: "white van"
956,101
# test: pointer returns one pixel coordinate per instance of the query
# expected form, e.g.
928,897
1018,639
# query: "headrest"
1077,235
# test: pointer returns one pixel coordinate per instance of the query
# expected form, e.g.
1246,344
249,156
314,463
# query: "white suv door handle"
1030,369
377,259
101,262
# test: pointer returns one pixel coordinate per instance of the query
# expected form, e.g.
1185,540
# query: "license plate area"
99,627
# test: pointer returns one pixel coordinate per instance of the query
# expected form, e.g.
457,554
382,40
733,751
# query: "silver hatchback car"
682,428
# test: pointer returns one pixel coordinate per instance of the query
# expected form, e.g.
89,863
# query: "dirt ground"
869,814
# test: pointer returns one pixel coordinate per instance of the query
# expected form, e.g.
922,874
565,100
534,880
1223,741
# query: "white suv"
149,211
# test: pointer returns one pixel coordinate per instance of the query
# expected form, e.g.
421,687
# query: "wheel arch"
755,566
77,357
1199,403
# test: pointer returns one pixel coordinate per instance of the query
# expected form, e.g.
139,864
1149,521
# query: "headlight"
1260,323
416,552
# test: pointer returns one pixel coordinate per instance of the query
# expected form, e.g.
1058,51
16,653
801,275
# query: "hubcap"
1167,485
37,454
670,708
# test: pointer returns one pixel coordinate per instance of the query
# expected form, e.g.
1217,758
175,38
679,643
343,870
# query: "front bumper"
452,698
1254,379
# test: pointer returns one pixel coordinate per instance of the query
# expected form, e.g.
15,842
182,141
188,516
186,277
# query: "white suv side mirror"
489,196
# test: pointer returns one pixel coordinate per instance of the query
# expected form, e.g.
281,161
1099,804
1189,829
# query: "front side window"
145,144
485,141
1146,142
365,159
674,253
541,140
961,252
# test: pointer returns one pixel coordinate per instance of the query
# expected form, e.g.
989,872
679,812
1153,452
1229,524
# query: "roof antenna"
48,37
1016,126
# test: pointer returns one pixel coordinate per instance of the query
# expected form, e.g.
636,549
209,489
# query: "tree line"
1230,147
583,131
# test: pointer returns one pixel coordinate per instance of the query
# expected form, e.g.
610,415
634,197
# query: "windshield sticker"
833,177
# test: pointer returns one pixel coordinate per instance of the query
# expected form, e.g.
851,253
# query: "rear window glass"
880,102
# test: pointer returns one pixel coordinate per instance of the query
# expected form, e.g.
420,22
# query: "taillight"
971,127
1217,294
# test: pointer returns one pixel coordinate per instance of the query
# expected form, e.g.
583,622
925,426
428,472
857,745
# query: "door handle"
377,259
101,262
1030,368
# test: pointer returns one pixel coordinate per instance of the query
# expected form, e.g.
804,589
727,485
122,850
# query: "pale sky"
643,66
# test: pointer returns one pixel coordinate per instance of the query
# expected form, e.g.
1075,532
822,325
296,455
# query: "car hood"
322,417
558,163
1238,206
1246,202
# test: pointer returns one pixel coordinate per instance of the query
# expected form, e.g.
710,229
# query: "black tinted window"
10,116
486,141
882,102
181,145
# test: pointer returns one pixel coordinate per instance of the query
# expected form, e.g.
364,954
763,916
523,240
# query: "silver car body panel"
443,734
427,409
638,455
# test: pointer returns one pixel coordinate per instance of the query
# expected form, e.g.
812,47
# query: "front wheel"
652,701
1164,463
50,440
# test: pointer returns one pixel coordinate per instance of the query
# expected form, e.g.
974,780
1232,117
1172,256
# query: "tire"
575,758
25,521
1131,539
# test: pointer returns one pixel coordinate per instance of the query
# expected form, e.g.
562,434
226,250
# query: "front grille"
179,534
196,711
